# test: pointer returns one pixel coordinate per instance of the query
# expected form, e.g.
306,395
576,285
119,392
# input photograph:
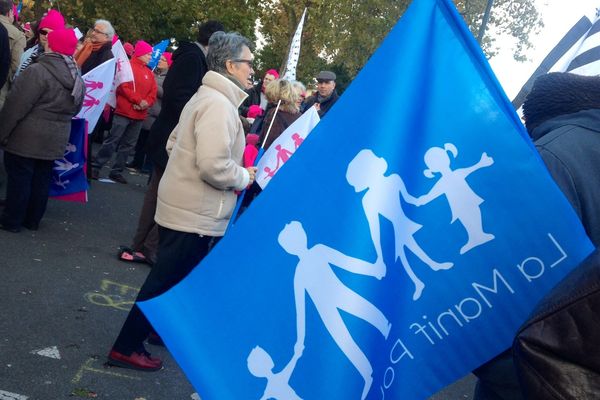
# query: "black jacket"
557,351
4,55
252,99
324,106
181,83
96,58
562,115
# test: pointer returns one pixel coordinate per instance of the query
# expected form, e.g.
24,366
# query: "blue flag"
157,52
400,248
69,181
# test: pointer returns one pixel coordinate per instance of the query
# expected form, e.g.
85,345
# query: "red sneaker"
138,361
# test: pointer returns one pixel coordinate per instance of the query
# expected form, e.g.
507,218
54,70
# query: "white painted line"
11,396
51,352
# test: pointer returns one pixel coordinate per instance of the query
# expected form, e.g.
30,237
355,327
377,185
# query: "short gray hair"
225,46
110,31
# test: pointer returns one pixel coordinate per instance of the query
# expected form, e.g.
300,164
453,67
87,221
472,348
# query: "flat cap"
326,76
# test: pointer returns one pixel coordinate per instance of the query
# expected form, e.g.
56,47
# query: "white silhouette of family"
315,277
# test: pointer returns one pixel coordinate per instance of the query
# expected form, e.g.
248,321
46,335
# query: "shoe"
118,178
9,229
127,254
95,174
155,340
138,361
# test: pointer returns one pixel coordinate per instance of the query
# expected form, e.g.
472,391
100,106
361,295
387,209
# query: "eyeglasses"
249,62
323,81
44,32
98,31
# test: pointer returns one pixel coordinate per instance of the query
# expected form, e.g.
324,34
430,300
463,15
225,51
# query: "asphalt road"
64,296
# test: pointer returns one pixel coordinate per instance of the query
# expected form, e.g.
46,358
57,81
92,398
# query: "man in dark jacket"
562,116
97,48
256,94
181,83
326,95
4,55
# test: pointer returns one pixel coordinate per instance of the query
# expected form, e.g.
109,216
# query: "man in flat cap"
326,95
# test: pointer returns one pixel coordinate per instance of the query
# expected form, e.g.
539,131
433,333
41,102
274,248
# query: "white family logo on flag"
63,166
315,277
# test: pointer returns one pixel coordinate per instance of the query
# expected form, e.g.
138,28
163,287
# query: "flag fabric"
294,54
69,181
157,52
400,247
285,146
577,52
98,83
123,72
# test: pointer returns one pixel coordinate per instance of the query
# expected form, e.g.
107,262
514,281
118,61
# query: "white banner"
123,72
294,55
98,83
285,146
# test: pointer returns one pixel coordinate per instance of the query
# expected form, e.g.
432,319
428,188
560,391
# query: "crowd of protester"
195,123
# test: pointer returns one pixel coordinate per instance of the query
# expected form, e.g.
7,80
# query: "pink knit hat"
53,20
142,48
128,48
168,57
254,111
273,72
63,41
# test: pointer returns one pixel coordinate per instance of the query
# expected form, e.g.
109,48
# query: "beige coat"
196,192
16,40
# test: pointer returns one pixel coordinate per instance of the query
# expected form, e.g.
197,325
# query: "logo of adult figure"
315,277
464,202
366,173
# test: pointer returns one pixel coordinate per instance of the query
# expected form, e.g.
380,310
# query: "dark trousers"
146,236
27,188
140,159
178,254
121,139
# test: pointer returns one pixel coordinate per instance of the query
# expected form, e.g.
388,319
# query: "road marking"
113,294
87,366
11,396
50,352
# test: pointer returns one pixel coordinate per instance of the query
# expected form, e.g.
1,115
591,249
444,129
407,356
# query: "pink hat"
273,72
128,48
142,48
53,20
254,111
168,57
63,41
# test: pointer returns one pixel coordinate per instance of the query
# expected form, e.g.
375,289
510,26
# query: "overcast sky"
558,16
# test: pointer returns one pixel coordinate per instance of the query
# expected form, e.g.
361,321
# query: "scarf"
85,52
78,91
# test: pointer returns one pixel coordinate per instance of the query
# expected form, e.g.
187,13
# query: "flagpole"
261,151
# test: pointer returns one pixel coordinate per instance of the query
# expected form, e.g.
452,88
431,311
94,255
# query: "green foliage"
338,35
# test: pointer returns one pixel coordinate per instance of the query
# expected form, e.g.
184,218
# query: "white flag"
294,55
98,83
285,146
123,72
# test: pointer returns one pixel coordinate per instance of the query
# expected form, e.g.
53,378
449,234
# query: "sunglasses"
44,32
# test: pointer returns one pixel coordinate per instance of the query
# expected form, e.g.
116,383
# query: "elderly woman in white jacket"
196,193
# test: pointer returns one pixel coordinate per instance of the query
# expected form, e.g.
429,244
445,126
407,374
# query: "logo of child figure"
314,276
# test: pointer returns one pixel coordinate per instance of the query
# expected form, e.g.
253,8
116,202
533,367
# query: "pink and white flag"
285,146
97,87
123,72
